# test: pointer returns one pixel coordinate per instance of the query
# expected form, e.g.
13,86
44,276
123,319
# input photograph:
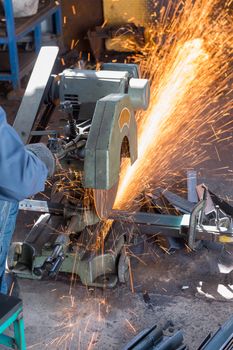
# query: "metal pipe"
171,343
150,340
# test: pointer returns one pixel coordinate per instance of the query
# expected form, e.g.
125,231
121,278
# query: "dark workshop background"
89,13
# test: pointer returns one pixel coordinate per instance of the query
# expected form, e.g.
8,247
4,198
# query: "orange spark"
74,10
131,326
175,85
187,58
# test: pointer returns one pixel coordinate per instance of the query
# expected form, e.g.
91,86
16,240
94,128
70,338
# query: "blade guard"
113,124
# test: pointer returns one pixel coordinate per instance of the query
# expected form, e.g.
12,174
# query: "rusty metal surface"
121,11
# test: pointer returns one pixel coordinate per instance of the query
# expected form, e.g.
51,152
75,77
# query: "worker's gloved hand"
44,154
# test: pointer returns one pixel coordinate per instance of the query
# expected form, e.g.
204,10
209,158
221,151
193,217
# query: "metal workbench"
15,63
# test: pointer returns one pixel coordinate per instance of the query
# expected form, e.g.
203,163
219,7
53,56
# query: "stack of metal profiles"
155,338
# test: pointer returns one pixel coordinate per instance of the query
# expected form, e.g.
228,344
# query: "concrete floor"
193,290
81,318
58,317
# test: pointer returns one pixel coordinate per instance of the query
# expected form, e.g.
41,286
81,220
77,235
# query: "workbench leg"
19,334
37,38
57,19
14,63
12,44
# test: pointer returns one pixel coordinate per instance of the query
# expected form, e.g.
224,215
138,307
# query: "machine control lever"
67,108
52,264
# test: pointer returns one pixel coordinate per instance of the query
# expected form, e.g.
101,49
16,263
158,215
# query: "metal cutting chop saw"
74,234
99,109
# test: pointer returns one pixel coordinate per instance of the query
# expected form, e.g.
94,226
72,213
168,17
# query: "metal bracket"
196,218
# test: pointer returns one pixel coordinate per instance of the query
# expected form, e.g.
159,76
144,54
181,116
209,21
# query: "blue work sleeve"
22,174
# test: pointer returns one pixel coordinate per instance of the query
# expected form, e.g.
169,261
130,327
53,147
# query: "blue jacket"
22,174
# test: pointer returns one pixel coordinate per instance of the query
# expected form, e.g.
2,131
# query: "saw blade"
104,201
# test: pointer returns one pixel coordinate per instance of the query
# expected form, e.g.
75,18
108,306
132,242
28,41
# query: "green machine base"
98,261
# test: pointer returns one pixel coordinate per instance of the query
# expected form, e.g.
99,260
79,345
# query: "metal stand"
11,312
15,30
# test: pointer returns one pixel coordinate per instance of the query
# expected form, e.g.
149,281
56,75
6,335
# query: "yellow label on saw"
124,119
225,239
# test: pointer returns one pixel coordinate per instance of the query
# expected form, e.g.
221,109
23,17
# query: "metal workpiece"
153,223
99,262
41,206
187,226
190,227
